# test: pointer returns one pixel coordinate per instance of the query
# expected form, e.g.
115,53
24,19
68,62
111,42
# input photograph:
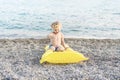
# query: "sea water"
80,18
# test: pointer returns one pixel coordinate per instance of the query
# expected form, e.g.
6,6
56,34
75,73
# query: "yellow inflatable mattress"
67,56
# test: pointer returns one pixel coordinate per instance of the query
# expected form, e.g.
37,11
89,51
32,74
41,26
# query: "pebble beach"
19,60
91,27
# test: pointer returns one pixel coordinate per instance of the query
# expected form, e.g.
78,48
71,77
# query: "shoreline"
19,60
13,38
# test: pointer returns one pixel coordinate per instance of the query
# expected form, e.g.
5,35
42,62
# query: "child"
57,38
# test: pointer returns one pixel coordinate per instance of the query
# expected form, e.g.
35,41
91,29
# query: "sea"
99,19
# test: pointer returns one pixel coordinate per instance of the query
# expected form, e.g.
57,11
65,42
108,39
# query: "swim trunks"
56,48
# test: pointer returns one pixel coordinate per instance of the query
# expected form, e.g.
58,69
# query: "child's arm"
63,42
49,36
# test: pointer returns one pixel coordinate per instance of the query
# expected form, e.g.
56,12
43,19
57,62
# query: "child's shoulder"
61,33
50,34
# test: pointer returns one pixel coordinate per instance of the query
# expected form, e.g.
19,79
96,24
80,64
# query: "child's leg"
52,47
60,48
66,45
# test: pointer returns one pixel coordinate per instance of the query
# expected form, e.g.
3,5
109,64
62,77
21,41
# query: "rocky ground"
19,60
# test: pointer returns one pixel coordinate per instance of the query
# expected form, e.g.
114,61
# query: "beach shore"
19,60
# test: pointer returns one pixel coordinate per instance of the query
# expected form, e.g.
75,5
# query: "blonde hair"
56,24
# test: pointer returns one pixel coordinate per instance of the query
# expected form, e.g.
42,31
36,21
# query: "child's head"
56,26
